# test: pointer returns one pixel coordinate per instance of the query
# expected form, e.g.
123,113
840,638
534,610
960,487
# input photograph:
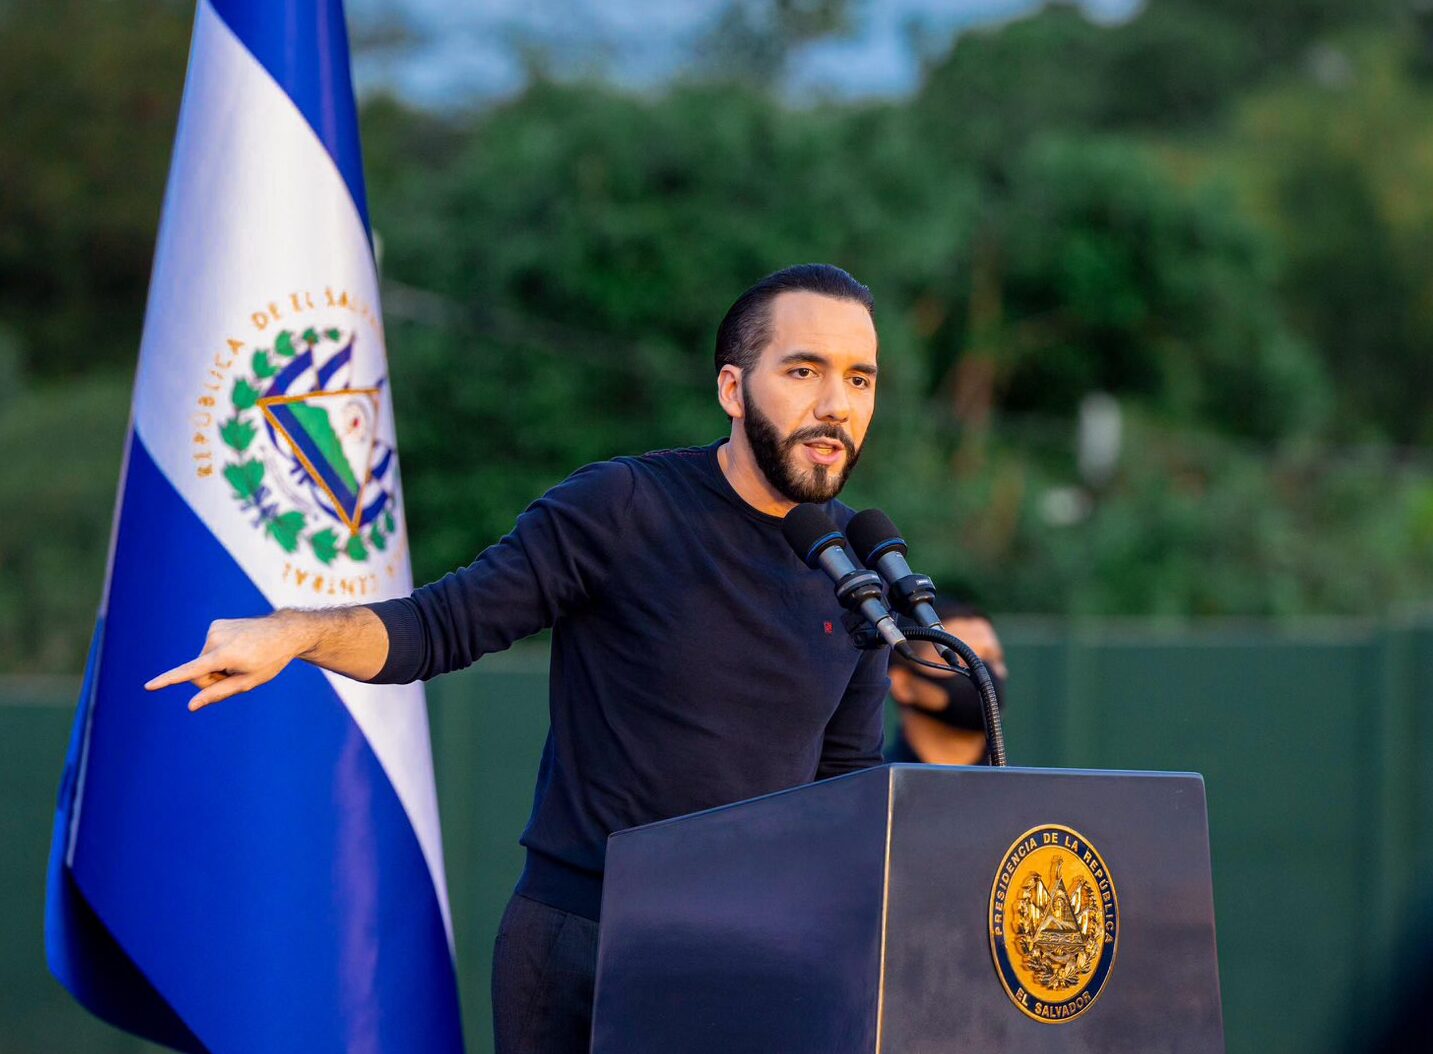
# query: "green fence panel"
488,727
1272,728
1316,744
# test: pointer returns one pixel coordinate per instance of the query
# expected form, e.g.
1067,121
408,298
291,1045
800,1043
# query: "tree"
1113,278
582,248
90,94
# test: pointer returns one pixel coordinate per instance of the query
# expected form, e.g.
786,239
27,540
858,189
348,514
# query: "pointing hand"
238,654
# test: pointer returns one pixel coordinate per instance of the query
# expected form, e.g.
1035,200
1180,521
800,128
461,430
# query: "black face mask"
963,708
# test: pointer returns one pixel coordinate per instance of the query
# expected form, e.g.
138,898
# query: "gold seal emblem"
1054,923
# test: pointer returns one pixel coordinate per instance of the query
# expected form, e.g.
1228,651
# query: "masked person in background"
941,721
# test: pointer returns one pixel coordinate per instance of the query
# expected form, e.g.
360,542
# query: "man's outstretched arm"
240,654
554,559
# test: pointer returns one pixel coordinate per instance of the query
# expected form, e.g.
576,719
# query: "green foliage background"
1215,211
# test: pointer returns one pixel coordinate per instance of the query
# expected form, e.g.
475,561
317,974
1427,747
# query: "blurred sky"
440,53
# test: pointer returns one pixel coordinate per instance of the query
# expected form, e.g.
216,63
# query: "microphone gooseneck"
816,539
880,546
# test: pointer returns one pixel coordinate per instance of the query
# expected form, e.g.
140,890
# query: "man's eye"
802,372
861,382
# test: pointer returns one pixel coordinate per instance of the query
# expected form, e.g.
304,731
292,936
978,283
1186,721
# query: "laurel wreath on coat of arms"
306,460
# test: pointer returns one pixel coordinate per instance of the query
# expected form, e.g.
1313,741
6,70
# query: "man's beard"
774,456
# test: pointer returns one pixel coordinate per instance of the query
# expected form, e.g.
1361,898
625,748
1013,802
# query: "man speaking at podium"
696,661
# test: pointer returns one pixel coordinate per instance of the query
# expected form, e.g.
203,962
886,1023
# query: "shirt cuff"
405,641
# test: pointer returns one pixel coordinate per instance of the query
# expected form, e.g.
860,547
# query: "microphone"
816,539
880,547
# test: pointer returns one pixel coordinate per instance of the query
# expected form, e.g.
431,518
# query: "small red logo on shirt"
828,628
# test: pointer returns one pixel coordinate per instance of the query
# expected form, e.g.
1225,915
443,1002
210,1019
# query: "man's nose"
835,402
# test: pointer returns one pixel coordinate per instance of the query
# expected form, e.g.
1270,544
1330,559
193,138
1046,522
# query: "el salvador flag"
266,874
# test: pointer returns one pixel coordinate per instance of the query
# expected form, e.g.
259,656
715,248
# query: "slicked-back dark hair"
746,329
953,608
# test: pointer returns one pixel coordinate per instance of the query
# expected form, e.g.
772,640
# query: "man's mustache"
806,435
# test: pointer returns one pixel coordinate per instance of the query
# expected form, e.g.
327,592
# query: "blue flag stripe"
80,951
304,46
263,831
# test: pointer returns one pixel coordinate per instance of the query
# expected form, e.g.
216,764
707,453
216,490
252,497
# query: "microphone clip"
863,635
858,586
910,591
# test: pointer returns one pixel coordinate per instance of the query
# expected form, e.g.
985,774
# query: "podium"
916,909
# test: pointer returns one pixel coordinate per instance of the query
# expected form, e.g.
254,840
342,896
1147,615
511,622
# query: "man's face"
919,689
808,400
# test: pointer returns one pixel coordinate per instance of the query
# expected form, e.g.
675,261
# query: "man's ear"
900,683
729,391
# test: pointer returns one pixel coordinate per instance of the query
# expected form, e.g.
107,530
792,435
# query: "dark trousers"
544,970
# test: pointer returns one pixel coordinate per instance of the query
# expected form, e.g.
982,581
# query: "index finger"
205,663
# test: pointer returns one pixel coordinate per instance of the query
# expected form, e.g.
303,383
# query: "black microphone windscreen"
808,530
872,533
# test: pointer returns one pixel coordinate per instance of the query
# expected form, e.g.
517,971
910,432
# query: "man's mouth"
824,451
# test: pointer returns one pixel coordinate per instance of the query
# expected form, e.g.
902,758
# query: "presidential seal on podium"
1054,923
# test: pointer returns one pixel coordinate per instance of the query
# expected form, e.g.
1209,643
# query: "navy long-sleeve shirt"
696,661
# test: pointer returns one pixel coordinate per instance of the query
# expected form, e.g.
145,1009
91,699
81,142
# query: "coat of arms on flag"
303,455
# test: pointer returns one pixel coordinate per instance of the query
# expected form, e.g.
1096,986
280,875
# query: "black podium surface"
912,909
